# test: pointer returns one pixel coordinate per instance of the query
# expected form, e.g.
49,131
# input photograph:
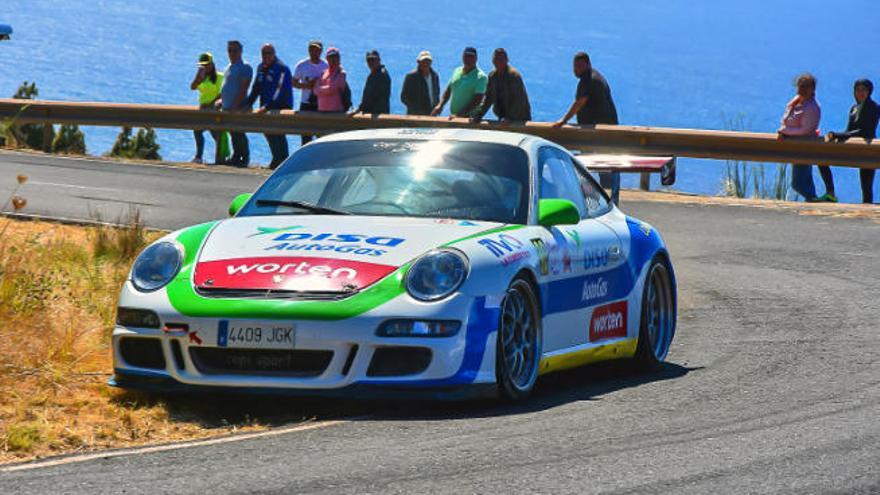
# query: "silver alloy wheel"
659,310
520,336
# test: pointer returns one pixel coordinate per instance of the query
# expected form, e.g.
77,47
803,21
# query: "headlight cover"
156,266
436,275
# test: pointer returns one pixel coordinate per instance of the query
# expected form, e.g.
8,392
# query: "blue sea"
678,63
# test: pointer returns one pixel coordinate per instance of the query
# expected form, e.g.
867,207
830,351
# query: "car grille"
272,362
272,294
142,352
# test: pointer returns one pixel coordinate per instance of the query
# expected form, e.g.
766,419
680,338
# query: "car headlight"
156,266
436,275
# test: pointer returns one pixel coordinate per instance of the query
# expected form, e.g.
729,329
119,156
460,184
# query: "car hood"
318,253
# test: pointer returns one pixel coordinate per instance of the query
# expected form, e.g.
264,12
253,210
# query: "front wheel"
658,316
519,343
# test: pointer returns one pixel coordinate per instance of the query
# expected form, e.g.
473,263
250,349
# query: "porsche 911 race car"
443,262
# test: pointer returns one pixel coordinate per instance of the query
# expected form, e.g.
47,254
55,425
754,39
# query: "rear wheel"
519,343
658,316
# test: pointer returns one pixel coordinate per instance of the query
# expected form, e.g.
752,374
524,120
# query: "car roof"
428,134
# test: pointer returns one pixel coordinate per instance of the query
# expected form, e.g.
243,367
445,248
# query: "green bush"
69,140
30,135
143,145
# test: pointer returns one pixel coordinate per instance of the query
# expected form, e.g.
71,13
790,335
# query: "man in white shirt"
306,72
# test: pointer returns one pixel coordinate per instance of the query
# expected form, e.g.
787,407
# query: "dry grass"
58,290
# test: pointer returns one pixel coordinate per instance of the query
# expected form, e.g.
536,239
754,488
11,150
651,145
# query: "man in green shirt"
466,87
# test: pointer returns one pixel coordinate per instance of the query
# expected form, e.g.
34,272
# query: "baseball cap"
316,43
470,51
332,51
206,58
424,55
372,54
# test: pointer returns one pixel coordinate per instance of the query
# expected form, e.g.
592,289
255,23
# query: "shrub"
69,140
30,135
143,145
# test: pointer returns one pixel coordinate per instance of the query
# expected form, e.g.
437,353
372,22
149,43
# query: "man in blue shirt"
273,86
233,98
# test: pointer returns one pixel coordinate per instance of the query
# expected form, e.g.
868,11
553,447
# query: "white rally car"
445,262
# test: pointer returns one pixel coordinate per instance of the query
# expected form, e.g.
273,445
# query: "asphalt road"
772,385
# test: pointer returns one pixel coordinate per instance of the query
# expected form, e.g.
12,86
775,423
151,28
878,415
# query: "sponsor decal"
608,322
645,228
467,223
595,258
345,248
575,236
358,244
594,289
445,221
194,337
505,247
289,273
271,230
543,255
566,261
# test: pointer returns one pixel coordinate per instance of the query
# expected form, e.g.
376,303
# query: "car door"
577,259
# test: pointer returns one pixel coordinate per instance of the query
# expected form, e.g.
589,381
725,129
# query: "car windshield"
415,178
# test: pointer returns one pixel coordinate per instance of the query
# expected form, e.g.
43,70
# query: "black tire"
516,376
658,315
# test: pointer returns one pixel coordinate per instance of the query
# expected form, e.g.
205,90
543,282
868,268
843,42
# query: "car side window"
596,201
559,179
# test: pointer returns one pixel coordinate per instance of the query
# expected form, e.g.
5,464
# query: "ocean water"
676,63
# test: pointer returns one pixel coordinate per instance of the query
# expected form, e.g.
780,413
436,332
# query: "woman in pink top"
801,121
330,86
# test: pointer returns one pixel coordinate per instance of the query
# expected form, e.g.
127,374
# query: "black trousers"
307,107
278,146
241,153
866,177
827,178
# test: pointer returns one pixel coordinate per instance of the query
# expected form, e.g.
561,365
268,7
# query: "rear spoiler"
617,164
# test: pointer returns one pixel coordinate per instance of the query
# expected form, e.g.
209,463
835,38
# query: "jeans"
307,107
866,177
278,146
200,144
802,181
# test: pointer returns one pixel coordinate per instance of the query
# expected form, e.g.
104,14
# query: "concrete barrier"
721,145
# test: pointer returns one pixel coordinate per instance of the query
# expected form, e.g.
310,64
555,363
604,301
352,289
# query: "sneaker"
827,198
196,159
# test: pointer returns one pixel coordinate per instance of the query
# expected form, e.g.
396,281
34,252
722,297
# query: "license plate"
256,335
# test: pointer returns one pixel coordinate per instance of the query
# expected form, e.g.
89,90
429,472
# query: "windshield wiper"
302,204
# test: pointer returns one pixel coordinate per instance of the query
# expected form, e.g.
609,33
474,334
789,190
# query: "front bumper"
348,350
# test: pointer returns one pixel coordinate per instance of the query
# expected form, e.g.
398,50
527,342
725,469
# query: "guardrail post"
47,136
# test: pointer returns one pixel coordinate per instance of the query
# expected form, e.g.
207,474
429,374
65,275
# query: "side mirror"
238,202
557,212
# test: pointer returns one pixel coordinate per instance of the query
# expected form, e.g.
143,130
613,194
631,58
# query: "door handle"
614,253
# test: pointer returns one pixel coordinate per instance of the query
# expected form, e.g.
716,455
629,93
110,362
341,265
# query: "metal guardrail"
721,145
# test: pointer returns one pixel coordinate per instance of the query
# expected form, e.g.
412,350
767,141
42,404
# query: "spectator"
506,93
466,87
306,72
331,87
863,117
376,97
801,121
592,105
421,87
273,86
208,83
233,98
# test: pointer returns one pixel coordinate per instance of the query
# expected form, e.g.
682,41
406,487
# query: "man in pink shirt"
330,88
801,121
